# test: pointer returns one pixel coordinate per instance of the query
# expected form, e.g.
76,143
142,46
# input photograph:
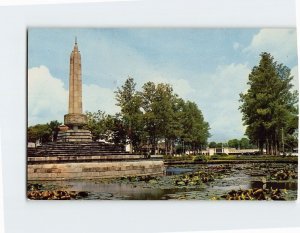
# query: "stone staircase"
78,152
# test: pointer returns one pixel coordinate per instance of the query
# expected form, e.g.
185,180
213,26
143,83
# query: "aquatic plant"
255,194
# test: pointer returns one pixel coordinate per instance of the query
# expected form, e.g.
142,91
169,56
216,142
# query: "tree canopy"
156,114
269,106
43,132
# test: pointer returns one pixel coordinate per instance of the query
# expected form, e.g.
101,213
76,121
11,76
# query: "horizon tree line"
243,143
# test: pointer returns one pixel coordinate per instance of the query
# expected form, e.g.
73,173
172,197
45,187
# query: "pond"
189,182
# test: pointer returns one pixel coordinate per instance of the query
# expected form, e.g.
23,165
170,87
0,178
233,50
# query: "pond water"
226,178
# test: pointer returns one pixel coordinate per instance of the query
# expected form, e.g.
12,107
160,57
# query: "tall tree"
195,129
157,103
268,104
130,103
156,116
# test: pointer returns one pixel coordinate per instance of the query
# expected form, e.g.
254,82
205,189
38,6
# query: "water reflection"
170,171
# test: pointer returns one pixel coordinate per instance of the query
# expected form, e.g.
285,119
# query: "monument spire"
75,119
75,82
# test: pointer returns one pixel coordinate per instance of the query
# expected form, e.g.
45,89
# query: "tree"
156,116
222,144
245,144
212,145
234,143
158,104
106,127
100,124
269,104
132,116
41,132
54,126
195,129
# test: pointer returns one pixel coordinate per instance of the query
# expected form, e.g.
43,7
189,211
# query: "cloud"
98,98
47,97
122,60
281,43
220,100
180,86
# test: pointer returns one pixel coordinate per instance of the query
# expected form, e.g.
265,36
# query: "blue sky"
207,66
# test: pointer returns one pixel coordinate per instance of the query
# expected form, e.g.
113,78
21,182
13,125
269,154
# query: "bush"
214,157
204,158
198,158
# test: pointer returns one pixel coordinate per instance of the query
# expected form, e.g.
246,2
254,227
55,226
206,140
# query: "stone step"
78,152
84,147
77,149
75,154
81,148
81,145
79,155
47,159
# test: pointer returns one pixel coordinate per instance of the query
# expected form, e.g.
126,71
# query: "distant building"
230,151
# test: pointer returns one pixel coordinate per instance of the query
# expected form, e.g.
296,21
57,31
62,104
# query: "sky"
207,66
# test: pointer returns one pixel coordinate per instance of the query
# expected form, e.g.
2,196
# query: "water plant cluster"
36,193
194,178
284,174
255,194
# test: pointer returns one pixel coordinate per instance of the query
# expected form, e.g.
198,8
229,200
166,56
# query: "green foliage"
156,114
244,143
198,158
234,143
106,127
202,158
269,106
195,129
221,144
212,145
43,132
131,114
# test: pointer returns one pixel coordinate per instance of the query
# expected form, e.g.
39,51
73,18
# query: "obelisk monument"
75,119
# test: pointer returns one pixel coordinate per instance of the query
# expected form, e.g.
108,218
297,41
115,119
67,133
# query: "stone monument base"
75,119
79,135
84,171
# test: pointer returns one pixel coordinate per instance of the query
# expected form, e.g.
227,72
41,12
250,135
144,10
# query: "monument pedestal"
75,119
79,135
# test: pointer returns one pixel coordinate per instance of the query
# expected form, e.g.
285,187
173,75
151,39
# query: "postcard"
162,114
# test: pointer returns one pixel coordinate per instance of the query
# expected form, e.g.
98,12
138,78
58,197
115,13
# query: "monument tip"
75,39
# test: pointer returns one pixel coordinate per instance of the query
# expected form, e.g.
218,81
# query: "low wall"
92,158
79,171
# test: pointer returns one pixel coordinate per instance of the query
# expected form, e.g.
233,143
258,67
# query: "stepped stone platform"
87,160
79,135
